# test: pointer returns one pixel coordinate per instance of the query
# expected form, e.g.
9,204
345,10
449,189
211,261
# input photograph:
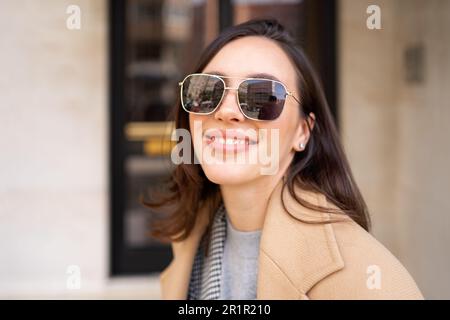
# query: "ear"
303,132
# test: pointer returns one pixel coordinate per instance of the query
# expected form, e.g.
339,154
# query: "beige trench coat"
304,261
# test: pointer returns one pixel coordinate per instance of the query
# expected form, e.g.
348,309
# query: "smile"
229,140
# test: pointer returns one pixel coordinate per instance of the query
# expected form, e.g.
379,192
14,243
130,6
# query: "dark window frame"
126,261
123,260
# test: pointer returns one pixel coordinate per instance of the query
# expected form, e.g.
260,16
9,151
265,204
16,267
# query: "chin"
229,174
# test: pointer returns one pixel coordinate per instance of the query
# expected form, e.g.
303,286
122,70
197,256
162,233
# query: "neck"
246,204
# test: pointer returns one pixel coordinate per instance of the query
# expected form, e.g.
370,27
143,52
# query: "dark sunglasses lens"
201,93
262,99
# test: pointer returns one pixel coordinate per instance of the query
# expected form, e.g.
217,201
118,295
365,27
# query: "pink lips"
230,140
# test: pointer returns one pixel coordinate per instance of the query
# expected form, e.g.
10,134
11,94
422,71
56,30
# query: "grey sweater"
239,264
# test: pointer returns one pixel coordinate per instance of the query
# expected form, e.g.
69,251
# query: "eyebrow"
252,75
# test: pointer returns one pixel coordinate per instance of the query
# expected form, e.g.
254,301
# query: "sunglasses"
258,99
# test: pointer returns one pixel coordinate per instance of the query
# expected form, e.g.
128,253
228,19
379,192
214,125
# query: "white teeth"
231,141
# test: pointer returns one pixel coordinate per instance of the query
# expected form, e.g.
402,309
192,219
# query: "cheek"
287,125
192,118
193,121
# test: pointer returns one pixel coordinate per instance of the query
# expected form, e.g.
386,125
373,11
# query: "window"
151,42
152,46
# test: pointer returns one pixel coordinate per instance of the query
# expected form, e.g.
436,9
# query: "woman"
240,230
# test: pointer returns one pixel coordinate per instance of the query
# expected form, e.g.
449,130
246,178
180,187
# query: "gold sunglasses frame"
221,78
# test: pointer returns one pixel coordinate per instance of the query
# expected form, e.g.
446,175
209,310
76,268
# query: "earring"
302,145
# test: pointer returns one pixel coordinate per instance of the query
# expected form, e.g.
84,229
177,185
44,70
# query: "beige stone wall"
53,144
396,132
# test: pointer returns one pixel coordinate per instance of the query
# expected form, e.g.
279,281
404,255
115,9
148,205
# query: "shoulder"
370,270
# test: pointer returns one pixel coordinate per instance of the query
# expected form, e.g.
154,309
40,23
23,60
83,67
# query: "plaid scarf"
206,271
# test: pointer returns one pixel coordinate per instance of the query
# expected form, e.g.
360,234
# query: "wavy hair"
321,167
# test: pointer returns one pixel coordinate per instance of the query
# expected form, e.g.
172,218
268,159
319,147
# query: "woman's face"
268,154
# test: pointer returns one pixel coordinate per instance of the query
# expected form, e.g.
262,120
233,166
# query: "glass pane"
161,37
289,12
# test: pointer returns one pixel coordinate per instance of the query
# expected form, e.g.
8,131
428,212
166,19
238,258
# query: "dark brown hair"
321,167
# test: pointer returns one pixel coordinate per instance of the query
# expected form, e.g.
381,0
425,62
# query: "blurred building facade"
57,112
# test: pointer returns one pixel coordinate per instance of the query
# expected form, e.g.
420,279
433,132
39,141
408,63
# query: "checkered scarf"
206,271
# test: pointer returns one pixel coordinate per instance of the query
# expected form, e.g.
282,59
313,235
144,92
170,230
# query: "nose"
228,109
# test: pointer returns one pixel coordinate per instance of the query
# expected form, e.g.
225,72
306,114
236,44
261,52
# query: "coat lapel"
294,255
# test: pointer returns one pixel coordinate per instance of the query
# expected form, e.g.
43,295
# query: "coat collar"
294,255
